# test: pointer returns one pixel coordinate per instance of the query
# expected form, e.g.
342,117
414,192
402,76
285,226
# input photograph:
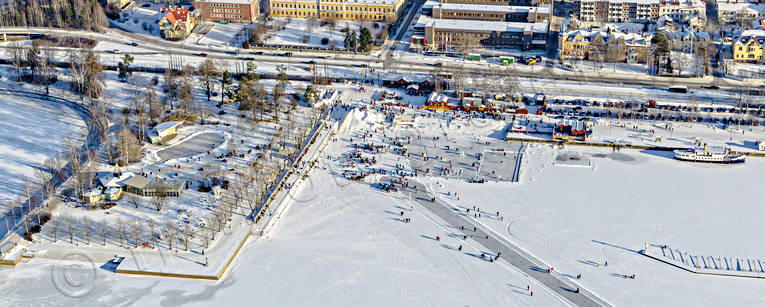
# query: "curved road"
93,140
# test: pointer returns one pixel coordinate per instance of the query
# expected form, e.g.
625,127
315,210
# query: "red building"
242,11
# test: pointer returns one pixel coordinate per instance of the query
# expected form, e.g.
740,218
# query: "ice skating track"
509,253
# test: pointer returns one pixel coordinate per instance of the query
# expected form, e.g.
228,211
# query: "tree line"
67,14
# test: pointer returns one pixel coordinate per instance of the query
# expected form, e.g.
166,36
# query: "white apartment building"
739,12
616,11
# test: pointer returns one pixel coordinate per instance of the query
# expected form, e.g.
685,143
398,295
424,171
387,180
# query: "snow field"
32,131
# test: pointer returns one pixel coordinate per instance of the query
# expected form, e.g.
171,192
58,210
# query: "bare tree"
87,223
158,201
46,67
211,221
133,200
103,228
187,235
136,228
171,231
55,225
310,23
69,226
43,177
208,70
121,230
153,231
16,54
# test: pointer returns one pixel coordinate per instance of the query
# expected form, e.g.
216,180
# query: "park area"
316,32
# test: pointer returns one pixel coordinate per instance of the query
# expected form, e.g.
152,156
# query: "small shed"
93,196
112,194
413,89
164,131
396,81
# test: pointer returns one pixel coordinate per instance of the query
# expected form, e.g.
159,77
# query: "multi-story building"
739,12
496,2
176,23
637,10
490,12
448,34
379,10
749,47
604,46
244,11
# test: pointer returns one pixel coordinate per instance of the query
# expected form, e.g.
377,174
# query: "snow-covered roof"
629,38
436,97
177,14
167,125
93,192
626,1
747,35
227,1
385,2
492,8
488,26
739,7
137,181
108,180
112,191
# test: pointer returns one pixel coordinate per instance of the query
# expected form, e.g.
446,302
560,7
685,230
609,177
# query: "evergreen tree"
124,69
350,40
365,38
310,94
225,81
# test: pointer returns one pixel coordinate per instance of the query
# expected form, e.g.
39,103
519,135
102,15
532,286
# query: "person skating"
459,248
577,290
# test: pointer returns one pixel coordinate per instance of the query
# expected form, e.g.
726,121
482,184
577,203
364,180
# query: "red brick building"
244,11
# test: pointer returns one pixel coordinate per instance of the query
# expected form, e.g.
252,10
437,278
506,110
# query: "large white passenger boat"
724,155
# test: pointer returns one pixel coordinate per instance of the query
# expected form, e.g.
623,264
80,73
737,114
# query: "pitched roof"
629,38
177,14
746,36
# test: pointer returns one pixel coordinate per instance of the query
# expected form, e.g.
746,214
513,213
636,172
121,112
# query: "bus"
678,89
